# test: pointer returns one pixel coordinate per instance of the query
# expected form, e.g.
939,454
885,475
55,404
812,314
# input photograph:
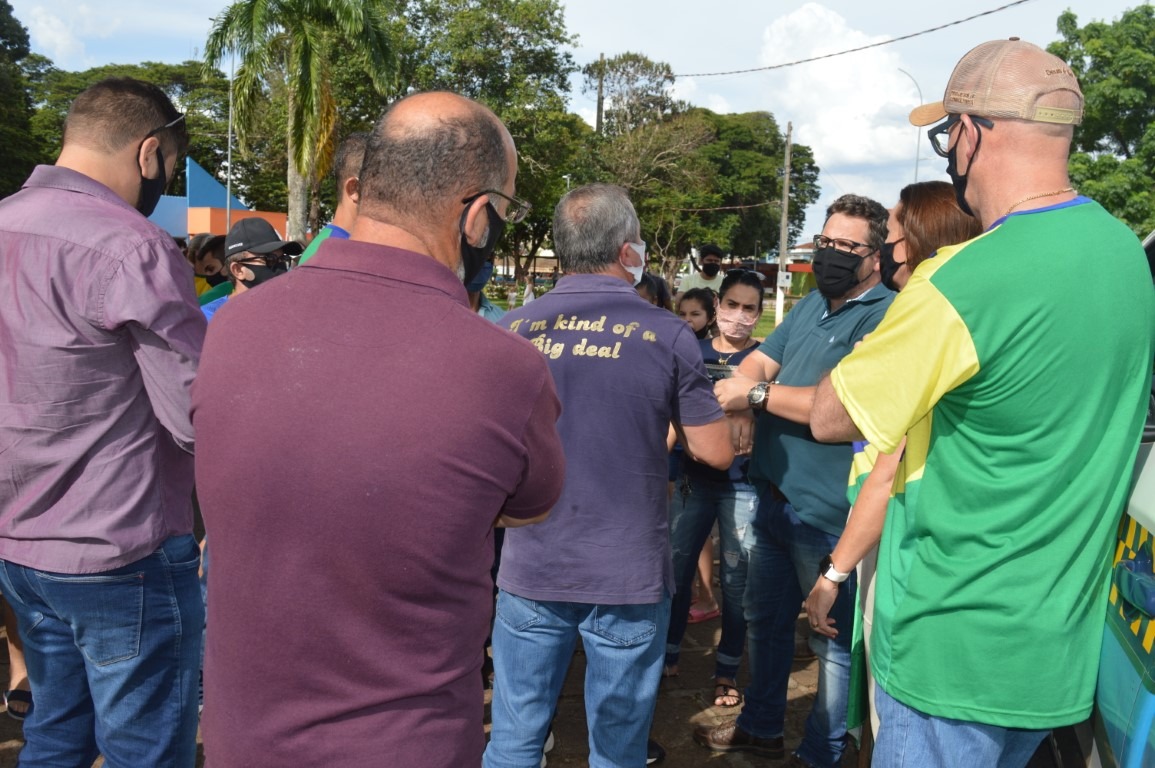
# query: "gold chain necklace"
726,360
1036,197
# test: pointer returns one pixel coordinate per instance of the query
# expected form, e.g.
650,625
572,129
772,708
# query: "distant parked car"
1124,720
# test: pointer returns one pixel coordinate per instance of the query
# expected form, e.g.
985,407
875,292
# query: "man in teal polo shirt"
802,487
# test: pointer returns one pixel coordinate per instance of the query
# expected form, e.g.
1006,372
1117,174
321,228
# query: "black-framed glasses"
276,261
515,213
939,135
839,244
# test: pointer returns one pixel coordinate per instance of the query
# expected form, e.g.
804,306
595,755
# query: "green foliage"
694,176
19,151
299,39
511,55
1115,158
636,90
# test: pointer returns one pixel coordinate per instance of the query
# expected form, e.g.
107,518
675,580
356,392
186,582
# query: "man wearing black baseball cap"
254,253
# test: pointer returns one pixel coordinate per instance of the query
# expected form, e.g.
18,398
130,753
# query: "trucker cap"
1008,79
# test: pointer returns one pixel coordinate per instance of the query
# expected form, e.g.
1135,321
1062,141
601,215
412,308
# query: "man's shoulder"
92,221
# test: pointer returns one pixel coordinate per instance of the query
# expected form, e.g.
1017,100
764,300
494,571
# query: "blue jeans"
783,567
915,740
113,660
533,644
696,505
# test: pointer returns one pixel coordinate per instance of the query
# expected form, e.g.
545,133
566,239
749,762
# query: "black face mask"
836,272
152,189
263,274
959,180
215,280
473,257
711,269
887,266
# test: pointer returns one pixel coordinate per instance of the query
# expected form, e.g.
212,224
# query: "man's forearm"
829,420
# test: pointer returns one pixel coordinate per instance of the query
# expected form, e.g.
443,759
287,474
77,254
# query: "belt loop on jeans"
777,495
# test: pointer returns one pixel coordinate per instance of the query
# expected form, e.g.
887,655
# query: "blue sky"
850,110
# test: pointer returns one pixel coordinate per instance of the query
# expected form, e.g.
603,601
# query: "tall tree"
298,38
637,91
1115,158
511,55
19,151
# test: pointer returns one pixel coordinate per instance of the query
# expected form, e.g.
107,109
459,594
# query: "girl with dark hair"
698,307
706,495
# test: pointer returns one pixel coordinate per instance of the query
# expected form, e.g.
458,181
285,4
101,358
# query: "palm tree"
299,36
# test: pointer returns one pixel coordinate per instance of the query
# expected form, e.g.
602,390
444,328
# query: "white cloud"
54,37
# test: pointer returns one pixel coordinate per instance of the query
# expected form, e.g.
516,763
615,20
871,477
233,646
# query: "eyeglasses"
165,127
276,261
840,244
940,134
517,210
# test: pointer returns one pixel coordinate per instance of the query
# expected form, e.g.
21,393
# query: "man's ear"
476,221
240,271
147,157
353,189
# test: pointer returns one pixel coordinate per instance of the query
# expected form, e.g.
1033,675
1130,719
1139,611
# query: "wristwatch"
756,397
826,569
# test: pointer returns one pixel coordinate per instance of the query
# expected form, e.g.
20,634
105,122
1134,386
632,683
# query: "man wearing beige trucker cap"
1021,387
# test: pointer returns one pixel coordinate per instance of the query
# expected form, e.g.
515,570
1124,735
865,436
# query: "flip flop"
18,695
697,616
726,691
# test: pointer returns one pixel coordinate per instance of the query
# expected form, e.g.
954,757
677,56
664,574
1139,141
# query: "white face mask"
638,271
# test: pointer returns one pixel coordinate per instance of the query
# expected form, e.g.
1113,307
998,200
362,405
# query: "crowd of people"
929,453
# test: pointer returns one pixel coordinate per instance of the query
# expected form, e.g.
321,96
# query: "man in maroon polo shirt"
361,432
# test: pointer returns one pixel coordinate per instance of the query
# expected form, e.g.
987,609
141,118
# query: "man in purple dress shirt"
100,335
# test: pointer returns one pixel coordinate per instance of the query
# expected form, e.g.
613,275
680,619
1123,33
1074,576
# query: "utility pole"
784,236
601,96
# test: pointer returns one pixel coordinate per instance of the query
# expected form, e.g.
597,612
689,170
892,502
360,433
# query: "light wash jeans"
533,645
783,567
911,739
697,503
112,659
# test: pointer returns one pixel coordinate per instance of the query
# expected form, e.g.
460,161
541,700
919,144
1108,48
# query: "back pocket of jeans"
626,625
106,613
515,612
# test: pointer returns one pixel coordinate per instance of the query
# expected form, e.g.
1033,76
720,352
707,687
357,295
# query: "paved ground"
683,702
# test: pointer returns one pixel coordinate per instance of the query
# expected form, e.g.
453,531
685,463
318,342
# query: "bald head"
428,152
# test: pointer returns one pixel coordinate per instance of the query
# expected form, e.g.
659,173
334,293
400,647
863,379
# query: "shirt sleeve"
544,474
151,295
696,404
920,351
774,347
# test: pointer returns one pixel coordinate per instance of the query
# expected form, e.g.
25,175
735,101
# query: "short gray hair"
590,224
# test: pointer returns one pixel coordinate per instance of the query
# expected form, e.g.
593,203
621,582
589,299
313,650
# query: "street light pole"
917,130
